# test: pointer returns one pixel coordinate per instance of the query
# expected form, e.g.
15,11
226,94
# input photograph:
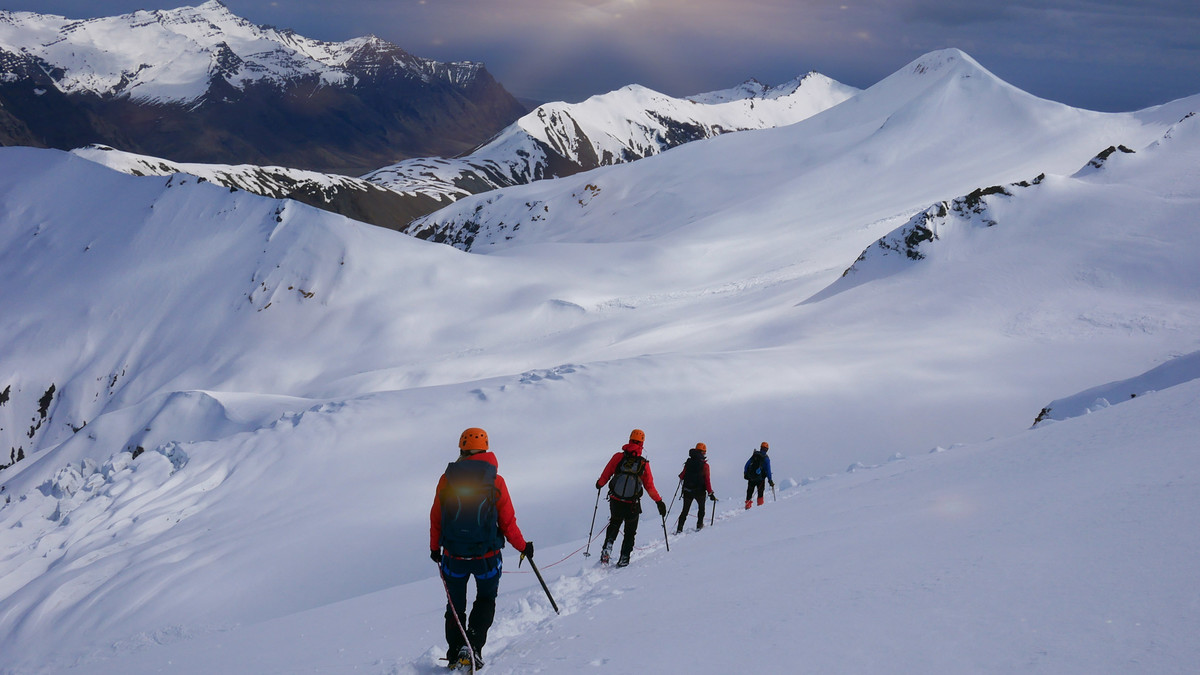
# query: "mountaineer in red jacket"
629,472
471,517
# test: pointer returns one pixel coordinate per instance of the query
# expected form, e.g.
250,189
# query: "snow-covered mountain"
562,139
899,128
614,128
232,410
202,84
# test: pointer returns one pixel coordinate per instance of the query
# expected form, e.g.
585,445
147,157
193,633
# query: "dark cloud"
1099,54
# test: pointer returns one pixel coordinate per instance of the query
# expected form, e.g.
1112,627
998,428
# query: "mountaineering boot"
760,501
747,503
606,552
463,661
699,525
624,560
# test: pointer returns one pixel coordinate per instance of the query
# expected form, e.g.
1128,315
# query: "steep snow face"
171,56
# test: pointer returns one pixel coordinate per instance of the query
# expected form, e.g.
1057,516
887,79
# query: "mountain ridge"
617,127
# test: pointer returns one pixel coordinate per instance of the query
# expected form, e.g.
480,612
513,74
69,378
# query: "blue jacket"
766,460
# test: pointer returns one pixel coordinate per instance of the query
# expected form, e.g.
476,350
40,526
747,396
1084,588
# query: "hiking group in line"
472,516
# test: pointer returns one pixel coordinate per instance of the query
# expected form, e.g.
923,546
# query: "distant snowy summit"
256,93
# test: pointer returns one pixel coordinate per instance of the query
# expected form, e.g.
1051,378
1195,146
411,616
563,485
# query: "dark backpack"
470,521
626,483
693,474
754,469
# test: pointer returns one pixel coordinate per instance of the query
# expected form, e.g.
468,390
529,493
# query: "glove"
662,509
528,550
436,556
599,485
712,496
771,482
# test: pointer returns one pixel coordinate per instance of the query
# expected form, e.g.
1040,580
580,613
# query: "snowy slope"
1067,549
292,384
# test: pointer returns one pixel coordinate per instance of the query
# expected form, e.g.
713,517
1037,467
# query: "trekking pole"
665,537
541,580
587,552
463,631
713,519
673,498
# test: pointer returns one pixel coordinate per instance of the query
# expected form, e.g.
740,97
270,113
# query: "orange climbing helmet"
473,440
637,436
702,448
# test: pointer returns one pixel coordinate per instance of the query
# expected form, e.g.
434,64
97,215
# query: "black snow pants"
688,498
760,484
457,572
622,513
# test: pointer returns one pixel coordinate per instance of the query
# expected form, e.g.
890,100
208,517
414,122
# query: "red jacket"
647,477
506,517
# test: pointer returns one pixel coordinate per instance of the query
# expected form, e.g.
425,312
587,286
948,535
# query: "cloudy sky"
1112,55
